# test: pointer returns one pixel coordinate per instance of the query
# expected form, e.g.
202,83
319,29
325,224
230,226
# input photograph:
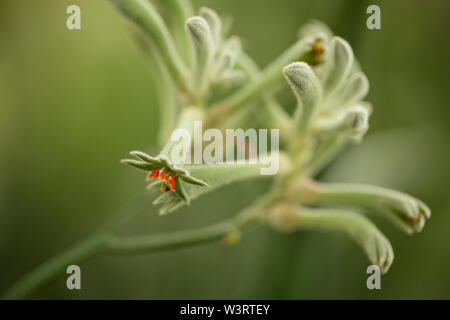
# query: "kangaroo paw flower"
161,169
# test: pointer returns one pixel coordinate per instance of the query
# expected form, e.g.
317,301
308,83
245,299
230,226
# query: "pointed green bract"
138,164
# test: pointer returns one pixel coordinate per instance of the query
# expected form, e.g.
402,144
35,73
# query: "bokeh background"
72,103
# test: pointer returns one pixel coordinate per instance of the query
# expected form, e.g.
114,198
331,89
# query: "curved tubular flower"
405,211
357,227
353,123
215,175
269,77
306,87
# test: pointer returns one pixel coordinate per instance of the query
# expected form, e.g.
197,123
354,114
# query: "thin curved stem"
183,239
178,11
54,266
104,241
77,253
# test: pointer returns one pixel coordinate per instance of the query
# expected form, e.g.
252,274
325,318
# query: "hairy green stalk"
143,14
104,241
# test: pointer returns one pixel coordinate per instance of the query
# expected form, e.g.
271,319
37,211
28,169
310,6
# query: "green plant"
205,75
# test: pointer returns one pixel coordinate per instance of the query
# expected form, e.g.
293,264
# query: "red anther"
154,173
171,182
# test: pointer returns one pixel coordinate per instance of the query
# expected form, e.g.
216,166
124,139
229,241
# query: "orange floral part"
165,176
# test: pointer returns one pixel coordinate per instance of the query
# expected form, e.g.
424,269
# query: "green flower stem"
270,77
286,217
54,266
244,118
103,241
143,14
278,118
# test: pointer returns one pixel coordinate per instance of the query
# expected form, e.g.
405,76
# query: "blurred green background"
72,103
